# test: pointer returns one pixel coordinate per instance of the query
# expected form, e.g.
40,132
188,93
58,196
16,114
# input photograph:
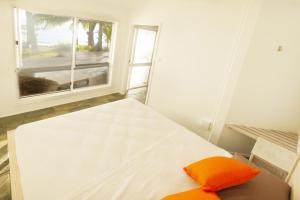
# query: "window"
58,53
142,56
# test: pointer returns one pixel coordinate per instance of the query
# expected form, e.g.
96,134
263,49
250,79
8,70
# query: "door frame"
132,46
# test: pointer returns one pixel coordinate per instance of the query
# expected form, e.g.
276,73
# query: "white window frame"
132,64
72,90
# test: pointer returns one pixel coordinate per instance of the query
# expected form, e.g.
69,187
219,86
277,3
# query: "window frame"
72,90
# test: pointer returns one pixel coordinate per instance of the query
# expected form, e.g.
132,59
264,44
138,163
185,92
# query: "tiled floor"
12,122
5,184
138,93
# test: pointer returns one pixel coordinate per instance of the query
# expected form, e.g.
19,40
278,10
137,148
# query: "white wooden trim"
131,64
140,64
287,140
131,55
274,154
75,35
154,57
146,27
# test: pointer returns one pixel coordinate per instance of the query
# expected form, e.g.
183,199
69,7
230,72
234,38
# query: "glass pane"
144,48
139,76
45,40
93,42
90,77
44,82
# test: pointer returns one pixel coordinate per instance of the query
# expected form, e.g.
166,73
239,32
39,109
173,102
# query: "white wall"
233,141
268,90
197,46
201,51
9,102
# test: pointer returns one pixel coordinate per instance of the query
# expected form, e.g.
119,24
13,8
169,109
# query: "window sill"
38,98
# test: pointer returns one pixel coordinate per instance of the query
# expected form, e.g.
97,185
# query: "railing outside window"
57,53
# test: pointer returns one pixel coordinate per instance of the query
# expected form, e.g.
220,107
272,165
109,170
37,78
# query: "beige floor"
12,122
5,184
138,94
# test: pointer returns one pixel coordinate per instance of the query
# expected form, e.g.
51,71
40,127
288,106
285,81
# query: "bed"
121,150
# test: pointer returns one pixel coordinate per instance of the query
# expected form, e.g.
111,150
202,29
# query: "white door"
141,60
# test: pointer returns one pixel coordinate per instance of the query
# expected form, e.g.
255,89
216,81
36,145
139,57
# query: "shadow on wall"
236,142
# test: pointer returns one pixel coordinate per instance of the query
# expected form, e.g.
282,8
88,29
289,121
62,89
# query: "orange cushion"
217,173
195,194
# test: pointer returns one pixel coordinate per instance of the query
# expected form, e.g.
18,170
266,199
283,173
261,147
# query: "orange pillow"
194,194
217,173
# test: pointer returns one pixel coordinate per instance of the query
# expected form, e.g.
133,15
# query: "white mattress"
118,151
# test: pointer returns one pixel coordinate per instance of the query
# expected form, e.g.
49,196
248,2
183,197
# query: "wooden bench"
287,140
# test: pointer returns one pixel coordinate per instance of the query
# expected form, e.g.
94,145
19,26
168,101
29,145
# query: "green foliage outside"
49,21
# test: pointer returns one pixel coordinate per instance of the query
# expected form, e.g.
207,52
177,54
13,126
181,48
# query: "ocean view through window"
58,53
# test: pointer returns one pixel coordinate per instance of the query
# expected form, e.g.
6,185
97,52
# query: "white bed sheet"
117,151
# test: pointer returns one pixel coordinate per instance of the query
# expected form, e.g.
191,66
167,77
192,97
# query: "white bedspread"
118,151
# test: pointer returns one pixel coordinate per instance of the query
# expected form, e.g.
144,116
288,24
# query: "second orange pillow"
195,194
217,173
